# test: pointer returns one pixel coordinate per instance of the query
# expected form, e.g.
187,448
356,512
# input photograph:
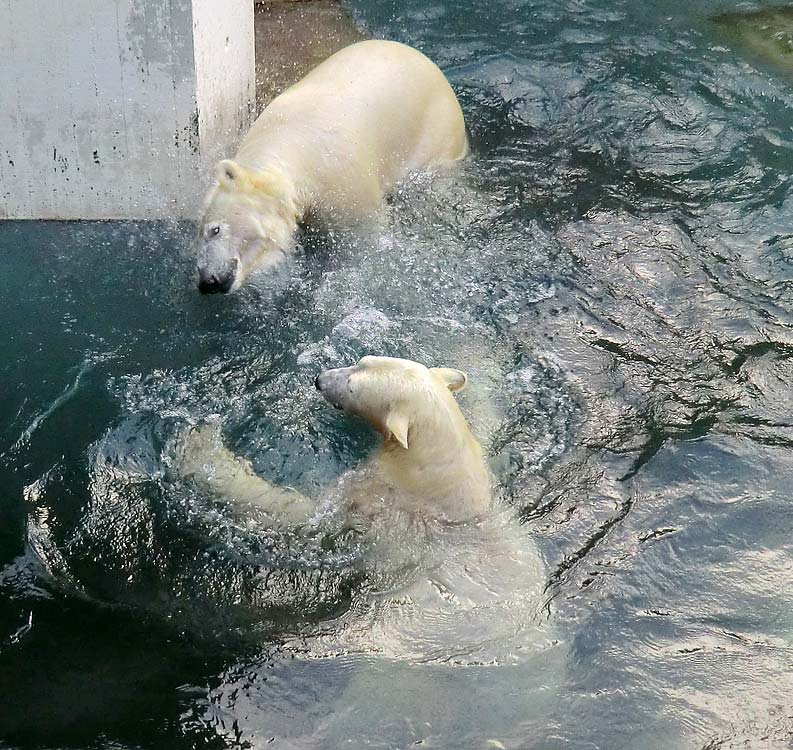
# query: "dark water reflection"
613,267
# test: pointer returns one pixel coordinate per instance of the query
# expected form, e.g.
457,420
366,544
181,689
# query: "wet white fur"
329,148
429,464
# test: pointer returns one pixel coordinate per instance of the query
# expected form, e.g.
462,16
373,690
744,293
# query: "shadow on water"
613,268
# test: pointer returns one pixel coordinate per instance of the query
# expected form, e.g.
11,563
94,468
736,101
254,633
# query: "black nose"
214,283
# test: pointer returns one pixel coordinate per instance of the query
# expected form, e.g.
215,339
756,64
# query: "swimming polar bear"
429,463
455,577
328,149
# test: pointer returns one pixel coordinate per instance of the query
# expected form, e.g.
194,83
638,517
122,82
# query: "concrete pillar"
118,108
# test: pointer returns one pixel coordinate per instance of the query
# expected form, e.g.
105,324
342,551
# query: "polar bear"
327,149
429,463
455,574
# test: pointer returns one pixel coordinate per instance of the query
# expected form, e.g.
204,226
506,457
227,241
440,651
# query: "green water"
612,267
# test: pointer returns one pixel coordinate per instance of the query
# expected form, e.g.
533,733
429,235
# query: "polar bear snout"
221,279
334,386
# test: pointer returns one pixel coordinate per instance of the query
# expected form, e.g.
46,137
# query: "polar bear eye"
214,231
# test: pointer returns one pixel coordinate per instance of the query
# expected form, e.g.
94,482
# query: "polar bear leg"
202,457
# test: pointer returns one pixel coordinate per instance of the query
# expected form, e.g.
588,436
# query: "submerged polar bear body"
329,148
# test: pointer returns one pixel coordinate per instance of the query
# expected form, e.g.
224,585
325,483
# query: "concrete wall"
118,108
226,75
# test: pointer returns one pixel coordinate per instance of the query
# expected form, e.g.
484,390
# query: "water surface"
612,266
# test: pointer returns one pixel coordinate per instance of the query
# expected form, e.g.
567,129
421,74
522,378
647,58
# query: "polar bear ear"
229,173
454,380
396,425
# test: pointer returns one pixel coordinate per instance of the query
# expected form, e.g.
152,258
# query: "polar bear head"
401,399
429,462
249,221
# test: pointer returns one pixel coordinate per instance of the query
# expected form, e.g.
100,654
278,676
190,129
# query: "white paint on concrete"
119,108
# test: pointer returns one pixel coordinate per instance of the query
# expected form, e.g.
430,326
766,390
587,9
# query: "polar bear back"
357,124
